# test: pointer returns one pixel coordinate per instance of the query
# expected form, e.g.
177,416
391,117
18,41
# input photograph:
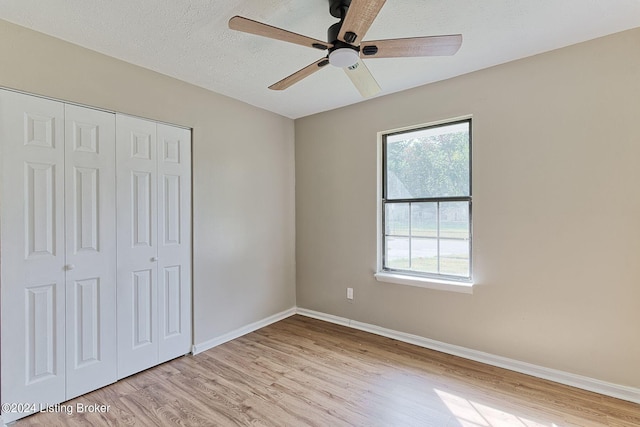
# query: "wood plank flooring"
305,372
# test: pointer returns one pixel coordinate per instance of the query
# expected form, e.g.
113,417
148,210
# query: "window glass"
432,162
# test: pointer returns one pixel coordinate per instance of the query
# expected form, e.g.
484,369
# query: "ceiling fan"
346,47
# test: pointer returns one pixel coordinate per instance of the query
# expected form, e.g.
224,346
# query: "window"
426,202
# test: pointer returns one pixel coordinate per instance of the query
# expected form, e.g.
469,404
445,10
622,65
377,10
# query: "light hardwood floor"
305,372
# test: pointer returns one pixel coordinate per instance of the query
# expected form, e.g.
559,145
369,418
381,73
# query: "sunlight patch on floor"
473,414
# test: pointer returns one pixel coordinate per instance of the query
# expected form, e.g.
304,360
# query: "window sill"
425,282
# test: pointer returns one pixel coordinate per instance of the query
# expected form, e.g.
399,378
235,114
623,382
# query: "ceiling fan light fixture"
343,57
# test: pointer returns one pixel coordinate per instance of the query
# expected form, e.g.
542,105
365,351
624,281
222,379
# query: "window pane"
431,162
424,219
454,220
397,252
424,255
397,219
454,257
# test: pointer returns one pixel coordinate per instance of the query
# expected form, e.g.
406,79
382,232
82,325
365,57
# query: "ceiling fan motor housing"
333,31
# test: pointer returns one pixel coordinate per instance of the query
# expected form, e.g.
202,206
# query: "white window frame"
429,282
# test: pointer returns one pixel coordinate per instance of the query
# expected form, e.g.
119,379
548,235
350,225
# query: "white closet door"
137,305
90,193
174,241
32,252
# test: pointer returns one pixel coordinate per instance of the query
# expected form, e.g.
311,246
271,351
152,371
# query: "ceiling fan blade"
299,75
258,28
359,18
416,46
362,79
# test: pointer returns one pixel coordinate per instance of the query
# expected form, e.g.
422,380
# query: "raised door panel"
90,200
143,232
86,339
174,246
40,215
137,296
142,307
40,333
32,250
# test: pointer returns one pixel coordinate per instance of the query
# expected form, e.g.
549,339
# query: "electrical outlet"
349,293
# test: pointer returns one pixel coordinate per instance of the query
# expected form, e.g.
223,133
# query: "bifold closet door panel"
174,241
136,189
95,252
90,195
32,252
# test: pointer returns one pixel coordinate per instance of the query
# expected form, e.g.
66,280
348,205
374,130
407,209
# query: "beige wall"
243,171
556,211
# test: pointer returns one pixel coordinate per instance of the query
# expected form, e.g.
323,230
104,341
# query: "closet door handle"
69,267
154,259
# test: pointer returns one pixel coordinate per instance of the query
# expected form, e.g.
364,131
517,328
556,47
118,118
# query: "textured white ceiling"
190,39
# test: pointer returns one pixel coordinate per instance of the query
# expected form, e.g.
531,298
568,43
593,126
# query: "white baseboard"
199,348
631,394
